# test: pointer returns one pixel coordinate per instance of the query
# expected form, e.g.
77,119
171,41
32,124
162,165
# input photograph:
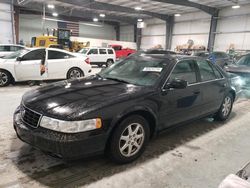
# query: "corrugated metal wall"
6,34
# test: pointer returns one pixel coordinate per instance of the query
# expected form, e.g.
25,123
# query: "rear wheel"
74,73
5,78
109,62
225,109
129,139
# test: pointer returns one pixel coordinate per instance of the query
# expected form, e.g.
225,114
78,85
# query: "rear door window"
185,70
57,55
206,71
102,51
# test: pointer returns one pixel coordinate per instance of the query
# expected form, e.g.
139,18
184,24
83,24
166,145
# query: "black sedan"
219,58
120,109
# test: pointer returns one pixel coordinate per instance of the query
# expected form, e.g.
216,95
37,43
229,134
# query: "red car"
120,52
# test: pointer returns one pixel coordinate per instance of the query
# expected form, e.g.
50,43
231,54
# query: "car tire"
225,109
5,78
129,139
100,65
109,62
75,73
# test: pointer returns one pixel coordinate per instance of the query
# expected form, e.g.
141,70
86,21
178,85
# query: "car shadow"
53,172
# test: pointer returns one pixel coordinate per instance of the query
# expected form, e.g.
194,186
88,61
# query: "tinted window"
15,48
102,51
93,51
206,71
57,55
110,51
217,73
245,60
34,55
185,70
4,48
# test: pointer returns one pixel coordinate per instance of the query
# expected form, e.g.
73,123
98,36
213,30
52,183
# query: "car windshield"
16,54
137,70
83,51
245,60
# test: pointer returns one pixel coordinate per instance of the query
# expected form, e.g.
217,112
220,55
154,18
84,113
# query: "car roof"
12,45
98,47
172,57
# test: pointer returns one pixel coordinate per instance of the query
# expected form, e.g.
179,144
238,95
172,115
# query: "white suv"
99,56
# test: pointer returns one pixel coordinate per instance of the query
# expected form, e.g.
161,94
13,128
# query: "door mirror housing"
19,59
177,84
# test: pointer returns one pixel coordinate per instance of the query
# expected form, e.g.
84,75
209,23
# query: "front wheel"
225,109
129,139
5,78
74,73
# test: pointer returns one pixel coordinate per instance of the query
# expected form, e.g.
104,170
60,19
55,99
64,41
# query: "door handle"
196,92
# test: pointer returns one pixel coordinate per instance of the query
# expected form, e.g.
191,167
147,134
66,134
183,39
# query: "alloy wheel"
131,139
3,78
226,106
75,74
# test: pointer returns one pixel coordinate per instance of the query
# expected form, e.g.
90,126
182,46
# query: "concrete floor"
196,155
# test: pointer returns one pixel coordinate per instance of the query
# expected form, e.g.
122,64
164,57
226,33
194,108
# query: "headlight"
70,126
239,81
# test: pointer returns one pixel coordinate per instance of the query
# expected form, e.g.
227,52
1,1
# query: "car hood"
7,60
69,99
238,68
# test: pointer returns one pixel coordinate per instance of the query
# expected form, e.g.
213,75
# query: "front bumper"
62,145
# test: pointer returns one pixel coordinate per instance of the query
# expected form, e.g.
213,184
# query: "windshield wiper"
117,79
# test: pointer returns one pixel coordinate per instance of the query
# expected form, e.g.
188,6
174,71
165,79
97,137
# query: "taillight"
87,61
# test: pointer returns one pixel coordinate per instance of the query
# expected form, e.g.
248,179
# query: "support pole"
169,32
118,31
212,32
137,36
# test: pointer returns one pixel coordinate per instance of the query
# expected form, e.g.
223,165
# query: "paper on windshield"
152,69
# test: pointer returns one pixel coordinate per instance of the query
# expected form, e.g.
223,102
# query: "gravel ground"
196,155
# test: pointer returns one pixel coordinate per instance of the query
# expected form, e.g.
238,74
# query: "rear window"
110,51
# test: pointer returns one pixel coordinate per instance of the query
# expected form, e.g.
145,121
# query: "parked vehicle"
238,180
220,58
6,49
42,64
122,52
99,56
160,52
121,108
241,68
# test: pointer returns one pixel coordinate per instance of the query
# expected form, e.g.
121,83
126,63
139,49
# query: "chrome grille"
30,117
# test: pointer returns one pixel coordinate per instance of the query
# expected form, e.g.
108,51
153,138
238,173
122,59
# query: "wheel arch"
146,113
75,67
12,77
233,92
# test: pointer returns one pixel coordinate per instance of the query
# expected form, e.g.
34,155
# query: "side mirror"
177,84
19,59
